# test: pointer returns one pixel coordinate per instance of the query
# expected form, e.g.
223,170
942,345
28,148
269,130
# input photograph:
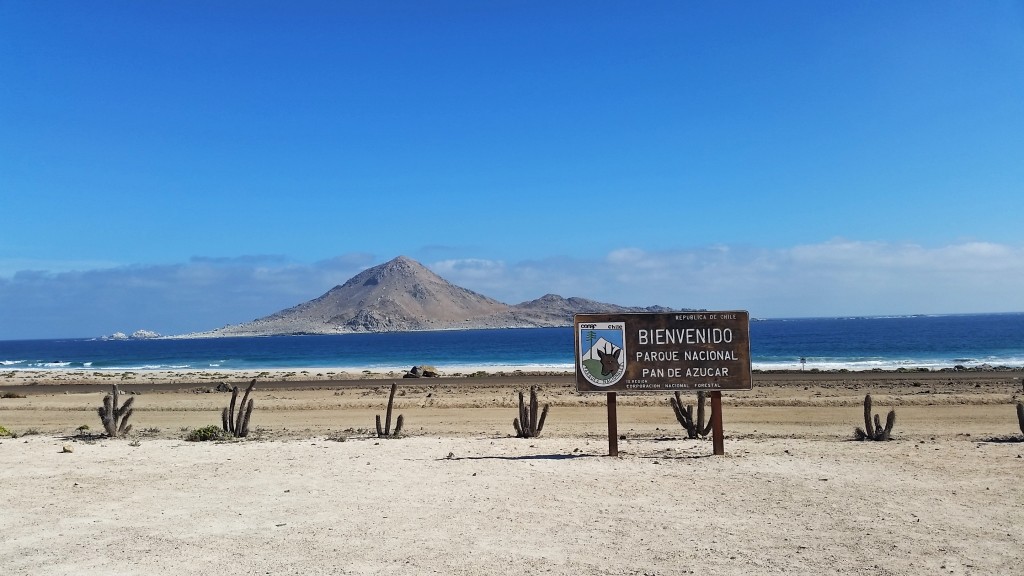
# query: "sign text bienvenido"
659,352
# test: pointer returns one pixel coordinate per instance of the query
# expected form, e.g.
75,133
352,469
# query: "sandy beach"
313,491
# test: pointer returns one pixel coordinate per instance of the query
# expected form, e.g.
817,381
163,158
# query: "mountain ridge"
403,295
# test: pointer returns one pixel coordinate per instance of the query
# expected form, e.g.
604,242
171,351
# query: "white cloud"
201,294
469,267
839,277
518,282
10,266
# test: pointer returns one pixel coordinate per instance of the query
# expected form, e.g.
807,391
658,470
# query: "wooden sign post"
613,427
698,351
717,431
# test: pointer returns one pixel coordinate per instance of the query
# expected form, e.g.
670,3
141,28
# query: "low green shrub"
4,432
206,433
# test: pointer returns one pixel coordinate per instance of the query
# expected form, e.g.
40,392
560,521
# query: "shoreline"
46,377
65,376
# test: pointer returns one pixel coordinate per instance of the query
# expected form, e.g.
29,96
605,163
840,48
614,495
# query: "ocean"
856,343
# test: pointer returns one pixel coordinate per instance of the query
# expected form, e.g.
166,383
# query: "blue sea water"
866,343
862,343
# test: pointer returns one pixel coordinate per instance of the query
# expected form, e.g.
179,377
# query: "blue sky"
178,166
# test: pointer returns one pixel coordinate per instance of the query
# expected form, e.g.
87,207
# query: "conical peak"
401,264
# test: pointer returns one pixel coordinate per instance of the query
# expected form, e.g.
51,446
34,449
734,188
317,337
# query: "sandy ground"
314,492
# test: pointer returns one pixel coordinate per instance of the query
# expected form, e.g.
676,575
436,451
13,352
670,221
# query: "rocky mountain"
554,310
403,295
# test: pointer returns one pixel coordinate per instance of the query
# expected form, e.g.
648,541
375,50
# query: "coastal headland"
314,491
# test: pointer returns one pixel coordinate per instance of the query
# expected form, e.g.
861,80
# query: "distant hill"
403,295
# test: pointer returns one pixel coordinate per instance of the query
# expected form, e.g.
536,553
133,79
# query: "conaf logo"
602,352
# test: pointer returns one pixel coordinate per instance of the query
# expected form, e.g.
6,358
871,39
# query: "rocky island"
403,295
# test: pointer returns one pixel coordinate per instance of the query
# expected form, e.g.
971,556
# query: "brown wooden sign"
662,352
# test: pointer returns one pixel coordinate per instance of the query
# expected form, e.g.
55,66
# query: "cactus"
694,428
873,429
114,419
385,431
238,426
528,425
1020,416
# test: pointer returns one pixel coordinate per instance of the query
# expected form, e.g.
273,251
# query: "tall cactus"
238,426
869,430
385,431
114,419
694,428
528,425
873,429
